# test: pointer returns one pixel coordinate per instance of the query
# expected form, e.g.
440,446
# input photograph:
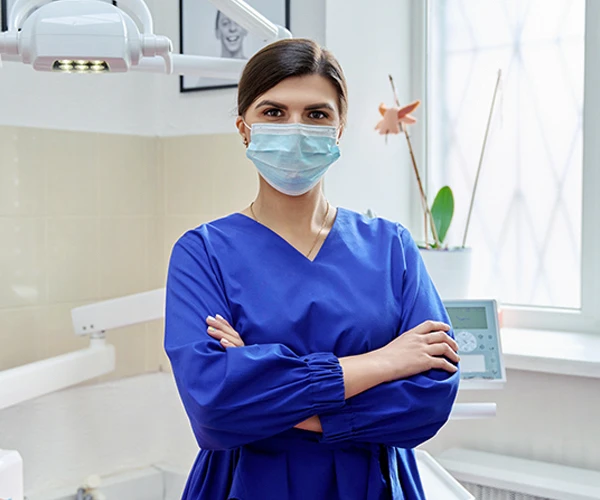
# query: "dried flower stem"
485,138
424,202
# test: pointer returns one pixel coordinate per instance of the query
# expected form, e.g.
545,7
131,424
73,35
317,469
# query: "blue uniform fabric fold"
366,286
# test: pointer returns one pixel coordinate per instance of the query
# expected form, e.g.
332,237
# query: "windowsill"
562,353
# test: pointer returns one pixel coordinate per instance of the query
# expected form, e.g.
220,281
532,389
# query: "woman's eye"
273,113
317,115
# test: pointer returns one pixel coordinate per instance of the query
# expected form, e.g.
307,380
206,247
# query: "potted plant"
449,267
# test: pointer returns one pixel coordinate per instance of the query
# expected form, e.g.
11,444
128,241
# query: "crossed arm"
426,347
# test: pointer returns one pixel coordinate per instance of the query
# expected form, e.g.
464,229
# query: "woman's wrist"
383,367
364,371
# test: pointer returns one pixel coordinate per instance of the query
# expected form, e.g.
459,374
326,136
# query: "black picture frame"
4,13
205,84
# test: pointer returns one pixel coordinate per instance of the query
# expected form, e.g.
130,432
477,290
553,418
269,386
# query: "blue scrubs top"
366,286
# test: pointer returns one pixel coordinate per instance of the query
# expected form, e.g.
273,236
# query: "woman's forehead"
301,90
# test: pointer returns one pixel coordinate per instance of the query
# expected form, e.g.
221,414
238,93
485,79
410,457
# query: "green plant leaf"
442,211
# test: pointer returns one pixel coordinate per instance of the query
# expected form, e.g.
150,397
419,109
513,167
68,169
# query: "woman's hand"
220,329
425,347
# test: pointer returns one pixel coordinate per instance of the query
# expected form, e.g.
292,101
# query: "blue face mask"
292,157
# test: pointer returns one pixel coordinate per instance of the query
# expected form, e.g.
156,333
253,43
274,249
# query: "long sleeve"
406,412
235,396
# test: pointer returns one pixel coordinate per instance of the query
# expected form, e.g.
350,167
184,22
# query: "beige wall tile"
22,173
186,186
127,175
23,273
161,202
72,171
157,269
20,337
123,256
130,348
73,258
207,175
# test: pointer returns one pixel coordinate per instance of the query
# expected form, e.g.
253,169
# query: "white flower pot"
450,271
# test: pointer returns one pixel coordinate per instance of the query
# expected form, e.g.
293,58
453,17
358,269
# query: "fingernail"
210,318
220,317
211,329
225,341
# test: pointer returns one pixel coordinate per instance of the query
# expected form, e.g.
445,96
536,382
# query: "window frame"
586,319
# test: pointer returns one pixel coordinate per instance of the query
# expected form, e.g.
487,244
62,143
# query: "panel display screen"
468,317
472,363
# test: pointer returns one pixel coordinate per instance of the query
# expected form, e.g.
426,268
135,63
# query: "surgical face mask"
292,157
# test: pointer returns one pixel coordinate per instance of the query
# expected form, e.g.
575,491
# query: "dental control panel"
475,324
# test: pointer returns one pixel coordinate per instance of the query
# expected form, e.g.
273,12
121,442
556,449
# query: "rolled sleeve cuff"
339,425
326,380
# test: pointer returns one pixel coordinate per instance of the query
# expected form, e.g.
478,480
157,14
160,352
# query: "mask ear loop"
245,141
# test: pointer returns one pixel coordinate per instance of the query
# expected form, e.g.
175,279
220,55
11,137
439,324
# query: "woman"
309,345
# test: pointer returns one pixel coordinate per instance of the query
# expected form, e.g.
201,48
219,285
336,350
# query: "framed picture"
6,5
205,31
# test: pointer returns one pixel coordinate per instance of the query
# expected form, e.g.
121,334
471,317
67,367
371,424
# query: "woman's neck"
290,214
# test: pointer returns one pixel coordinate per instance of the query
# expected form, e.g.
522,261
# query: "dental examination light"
93,36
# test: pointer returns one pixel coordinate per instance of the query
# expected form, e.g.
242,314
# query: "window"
528,221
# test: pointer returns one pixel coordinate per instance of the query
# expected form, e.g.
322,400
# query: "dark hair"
219,14
285,59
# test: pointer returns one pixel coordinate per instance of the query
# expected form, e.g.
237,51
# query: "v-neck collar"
324,245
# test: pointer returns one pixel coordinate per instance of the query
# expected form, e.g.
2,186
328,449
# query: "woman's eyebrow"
272,104
322,105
